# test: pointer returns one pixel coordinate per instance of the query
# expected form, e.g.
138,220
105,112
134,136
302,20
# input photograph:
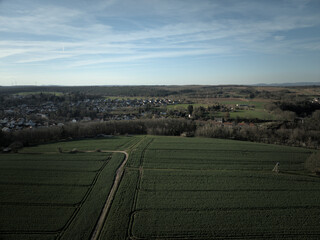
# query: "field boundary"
111,195
115,186
138,187
85,197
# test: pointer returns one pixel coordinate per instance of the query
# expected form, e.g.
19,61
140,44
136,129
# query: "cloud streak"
78,34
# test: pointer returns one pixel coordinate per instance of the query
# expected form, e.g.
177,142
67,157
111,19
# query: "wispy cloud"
123,31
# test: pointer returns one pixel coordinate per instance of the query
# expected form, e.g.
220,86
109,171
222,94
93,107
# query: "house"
8,111
30,124
242,124
11,124
4,121
242,106
6,150
219,120
43,116
20,122
228,124
6,129
316,100
86,119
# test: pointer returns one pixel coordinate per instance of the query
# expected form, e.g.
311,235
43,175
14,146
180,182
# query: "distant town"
280,115
45,110
35,113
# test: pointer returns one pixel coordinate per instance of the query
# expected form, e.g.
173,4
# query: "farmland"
50,195
257,112
199,188
172,188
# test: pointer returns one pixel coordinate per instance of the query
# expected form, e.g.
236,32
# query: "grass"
23,218
112,143
218,159
258,104
126,198
72,165
23,236
211,188
121,208
37,93
82,226
172,187
51,195
38,178
252,114
217,180
135,154
185,106
125,98
224,224
258,112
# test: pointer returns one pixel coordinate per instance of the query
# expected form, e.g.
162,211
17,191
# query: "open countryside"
171,188
159,120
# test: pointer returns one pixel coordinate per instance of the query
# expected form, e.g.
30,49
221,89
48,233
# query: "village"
58,113
27,112
44,110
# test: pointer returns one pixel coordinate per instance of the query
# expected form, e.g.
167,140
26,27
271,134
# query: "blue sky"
159,42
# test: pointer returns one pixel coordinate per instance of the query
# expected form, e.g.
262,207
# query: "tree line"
306,134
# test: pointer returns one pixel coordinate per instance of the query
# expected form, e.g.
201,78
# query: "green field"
36,93
50,195
172,188
252,114
258,111
196,188
124,98
111,143
185,106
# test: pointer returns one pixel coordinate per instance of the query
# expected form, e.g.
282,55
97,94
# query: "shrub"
15,146
312,164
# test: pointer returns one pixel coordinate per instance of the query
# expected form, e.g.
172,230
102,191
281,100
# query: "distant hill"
296,84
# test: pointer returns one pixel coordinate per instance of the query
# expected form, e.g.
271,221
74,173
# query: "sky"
159,42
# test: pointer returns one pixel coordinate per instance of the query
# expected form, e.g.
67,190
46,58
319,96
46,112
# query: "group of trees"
198,113
291,110
306,134
172,127
300,108
313,163
284,136
299,123
125,91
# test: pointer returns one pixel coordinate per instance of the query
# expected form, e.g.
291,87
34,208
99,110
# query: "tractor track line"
111,195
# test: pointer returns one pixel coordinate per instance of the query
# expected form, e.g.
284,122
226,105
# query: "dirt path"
112,192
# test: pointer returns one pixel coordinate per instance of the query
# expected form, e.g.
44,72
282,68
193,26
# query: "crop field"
171,188
197,188
50,195
111,143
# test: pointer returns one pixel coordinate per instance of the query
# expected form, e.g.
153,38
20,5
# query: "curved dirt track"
112,192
